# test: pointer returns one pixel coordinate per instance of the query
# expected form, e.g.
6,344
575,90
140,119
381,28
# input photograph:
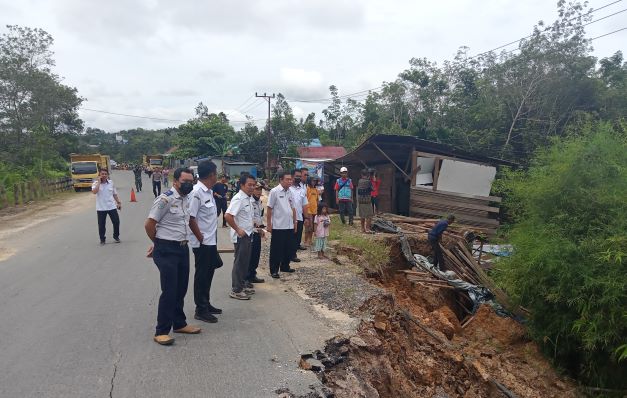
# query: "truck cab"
84,169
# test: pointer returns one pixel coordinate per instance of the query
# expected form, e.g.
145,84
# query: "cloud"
179,92
302,84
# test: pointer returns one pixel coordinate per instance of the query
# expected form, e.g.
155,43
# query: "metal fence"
28,191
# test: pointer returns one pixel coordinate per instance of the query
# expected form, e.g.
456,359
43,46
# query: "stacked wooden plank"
479,212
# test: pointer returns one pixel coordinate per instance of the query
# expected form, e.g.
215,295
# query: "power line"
322,100
544,30
158,118
135,116
610,33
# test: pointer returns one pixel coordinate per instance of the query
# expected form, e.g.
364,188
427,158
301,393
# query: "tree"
568,267
38,114
208,134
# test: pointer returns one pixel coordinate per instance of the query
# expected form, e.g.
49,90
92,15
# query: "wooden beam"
390,159
436,173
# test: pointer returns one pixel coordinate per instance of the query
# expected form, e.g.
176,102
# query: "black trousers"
281,248
297,239
438,257
156,188
102,223
241,263
138,184
205,262
221,206
172,259
255,254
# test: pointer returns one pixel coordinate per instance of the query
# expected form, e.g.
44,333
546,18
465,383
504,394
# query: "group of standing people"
159,176
367,195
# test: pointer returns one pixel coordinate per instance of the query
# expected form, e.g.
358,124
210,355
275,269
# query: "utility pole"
268,132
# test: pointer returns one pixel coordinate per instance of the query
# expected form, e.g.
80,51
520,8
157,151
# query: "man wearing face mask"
168,227
258,233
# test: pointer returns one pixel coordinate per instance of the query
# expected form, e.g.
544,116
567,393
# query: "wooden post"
391,161
23,192
16,194
414,165
436,173
3,197
32,191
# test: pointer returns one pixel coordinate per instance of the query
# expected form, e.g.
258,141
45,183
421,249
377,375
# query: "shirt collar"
243,194
202,186
176,193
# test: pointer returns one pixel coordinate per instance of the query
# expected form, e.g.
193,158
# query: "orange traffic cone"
133,199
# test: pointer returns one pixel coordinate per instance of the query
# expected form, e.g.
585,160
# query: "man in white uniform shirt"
203,222
239,216
107,203
282,224
299,196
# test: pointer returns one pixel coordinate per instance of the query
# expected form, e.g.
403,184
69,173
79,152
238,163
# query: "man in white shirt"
203,222
107,203
299,195
282,224
239,216
258,233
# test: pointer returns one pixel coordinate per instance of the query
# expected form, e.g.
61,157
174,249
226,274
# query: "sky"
159,58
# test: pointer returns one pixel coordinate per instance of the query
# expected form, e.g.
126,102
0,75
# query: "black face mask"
186,187
297,180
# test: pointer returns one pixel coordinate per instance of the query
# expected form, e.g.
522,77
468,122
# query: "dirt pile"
411,343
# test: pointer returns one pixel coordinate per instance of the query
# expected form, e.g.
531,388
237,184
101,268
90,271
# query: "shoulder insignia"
168,193
162,203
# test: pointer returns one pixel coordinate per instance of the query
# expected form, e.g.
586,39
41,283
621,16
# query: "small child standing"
322,222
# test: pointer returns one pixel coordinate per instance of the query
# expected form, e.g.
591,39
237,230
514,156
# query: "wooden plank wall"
476,211
387,194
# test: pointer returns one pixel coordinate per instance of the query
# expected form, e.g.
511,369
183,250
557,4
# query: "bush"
570,260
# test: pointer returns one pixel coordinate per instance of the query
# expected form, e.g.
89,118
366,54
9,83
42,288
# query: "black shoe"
257,280
248,285
206,317
102,242
117,240
289,270
275,276
295,260
213,310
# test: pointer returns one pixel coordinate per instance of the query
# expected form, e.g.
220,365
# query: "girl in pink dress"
322,223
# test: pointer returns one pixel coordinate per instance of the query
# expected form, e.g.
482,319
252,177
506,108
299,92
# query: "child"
322,222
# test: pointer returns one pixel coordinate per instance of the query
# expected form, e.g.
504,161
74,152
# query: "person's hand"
119,205
295,227
269,229
262,232
150,250
240,232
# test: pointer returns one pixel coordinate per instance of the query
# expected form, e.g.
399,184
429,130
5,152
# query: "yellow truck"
152,161
85,168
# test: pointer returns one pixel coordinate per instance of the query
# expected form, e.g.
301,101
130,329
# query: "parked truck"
85,168
152,161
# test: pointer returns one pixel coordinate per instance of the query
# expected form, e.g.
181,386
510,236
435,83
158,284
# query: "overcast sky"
160,58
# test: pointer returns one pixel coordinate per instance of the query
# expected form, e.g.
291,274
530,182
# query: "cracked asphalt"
78,318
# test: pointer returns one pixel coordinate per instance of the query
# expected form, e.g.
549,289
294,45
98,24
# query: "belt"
172,242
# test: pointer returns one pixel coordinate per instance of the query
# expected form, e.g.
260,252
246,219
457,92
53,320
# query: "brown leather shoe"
189,329
163,339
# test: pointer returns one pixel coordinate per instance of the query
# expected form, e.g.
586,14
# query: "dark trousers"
438,257
102,223
205,264
138,184
281,248
221,205
297,239
172,260
346,209
241,263
255,254
156,188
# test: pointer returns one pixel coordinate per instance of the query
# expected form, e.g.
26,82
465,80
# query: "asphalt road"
77,318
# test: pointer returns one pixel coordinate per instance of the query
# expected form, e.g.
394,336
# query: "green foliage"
38,114
570,261
206,135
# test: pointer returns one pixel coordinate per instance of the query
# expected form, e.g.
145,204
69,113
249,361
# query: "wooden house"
426,179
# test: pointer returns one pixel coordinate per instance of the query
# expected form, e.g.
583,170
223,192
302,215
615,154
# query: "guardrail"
28,191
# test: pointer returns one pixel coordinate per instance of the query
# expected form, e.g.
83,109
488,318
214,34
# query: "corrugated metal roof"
399,148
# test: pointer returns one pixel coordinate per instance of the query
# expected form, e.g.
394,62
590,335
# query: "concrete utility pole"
268,131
